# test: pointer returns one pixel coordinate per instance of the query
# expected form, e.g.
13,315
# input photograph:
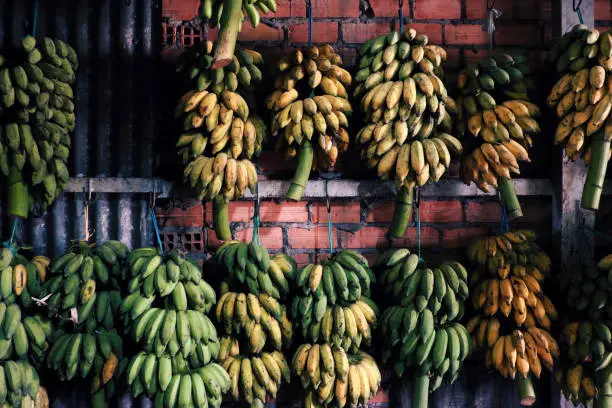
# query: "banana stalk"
221,218
421,391
604,400
302,173
526,392
228,33
508,198
593,186
17,194
403,212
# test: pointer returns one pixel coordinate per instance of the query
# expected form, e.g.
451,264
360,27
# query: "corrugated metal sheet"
118,46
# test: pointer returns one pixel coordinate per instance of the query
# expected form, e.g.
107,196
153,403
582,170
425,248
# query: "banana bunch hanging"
228,15
420,325
221,134
311,108
408,114
513,316
495,109
20,386
36,118
586,372
582,99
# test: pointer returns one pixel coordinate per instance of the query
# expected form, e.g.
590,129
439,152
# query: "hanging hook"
576,6
490,5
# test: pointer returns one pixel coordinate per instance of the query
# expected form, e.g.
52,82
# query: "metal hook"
417,197
576,7
490,5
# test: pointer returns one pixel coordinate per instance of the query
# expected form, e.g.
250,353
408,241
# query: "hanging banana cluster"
165,314
582,97
336,318
255,323
407,109
419,325
251,268
587,351
36,118
212,10
513,317
20,386
494,107
21,279
311,107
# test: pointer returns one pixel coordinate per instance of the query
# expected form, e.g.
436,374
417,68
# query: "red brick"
322,32
461,237
437,9
388,8
239,211
335,8
536,211
320,257
212,33
180,10
311,238
340,212
464,34
180,217
284,212
477,9
517,34
473,56
357,33
432,30
271,237
430,237
381,212
483,212
541,9
367,237
603,10
301,259
371,258
452,59
262,32
441,211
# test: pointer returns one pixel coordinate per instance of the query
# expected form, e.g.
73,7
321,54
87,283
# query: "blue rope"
309,17
35,23
329,221
400,13
417,204
256,234
157,235
9,244
577,10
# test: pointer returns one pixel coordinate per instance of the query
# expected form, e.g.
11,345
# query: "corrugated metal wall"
118,46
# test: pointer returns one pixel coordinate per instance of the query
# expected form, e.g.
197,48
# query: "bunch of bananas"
253,378
175,382
582,97
440,291
524,350
251,268
311,107
20,278
20,386
335,378
222,134
258,318
36,118
588,350
21,336
79,277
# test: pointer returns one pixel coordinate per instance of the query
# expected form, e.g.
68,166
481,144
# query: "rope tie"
489,24
576,8
256,235
417,204
309,18
154,218
35,18
329,220
504,222
400,13
10,243
86,202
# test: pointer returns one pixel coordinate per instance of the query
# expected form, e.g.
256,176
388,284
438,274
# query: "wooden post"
572,225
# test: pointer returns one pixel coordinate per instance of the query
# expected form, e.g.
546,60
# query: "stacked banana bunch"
588,351
407,109
20,386
331,305
494,107
588,289
165,315
20,278
582,97
251,268
419,325
310,105
36,118
336,318
212,10
23,337
335,378
523,350
440,291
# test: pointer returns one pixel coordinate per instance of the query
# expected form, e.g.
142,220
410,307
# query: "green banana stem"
421,392
302,173
403,212
605,397
17,193
593,186
508,198
221,219
526,392
231,19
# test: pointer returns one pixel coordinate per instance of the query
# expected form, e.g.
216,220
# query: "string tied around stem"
489,24
10,244
256,235
576,8
400,14
309,20
329,220
417,204
154,217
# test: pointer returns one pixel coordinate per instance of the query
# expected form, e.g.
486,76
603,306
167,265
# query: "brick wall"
300,229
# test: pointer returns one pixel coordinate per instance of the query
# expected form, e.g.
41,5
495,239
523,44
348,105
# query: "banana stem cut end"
17,194
302,173
403,212
221,219
509,198
526,392
593,185
421,391
228,33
